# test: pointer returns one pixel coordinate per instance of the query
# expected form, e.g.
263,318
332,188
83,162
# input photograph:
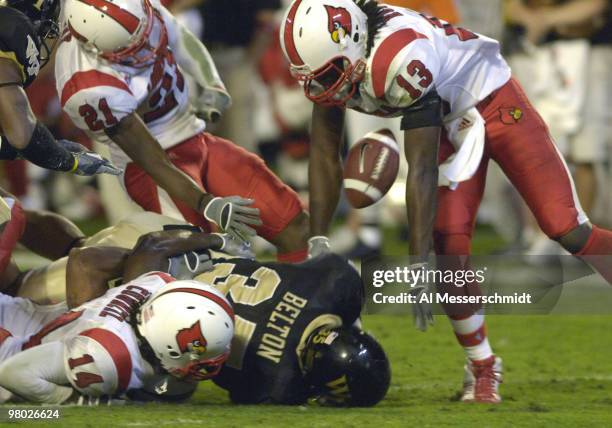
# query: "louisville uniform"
97,94
414,54
276,307
100,354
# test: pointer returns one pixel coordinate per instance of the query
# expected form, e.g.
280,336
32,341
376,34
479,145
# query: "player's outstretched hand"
235,247
234,215
318,245
87,162
212,103
421,310
189,265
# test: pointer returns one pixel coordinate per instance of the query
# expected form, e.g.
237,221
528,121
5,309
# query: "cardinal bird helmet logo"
338,23
191,339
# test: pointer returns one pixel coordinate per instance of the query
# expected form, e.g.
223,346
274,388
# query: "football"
370,168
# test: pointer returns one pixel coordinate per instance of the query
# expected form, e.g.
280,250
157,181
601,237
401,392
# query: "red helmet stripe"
122,16
163,275
384,55
292,52
218,300
118,351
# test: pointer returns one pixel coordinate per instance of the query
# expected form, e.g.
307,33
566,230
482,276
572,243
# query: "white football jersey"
413,54
97,94
101,353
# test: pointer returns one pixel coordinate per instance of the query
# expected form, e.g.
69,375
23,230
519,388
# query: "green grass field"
558,372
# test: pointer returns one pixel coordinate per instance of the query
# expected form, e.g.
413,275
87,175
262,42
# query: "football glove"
421,310
189,265
212,103
88,163
235,247
234,216
318,245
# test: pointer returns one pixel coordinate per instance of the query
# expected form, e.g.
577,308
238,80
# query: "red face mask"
333,84
201,370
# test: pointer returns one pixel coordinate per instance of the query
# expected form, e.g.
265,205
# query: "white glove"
318,245
421,310
211,104
234,216
235,247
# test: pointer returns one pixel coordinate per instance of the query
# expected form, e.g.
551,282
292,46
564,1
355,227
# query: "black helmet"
345,366
36,10
44,15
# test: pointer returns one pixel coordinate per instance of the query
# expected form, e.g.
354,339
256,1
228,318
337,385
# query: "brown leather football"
371,168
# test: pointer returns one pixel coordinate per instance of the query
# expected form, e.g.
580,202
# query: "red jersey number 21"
416,68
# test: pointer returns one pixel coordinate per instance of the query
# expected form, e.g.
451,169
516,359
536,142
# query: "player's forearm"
89,270
29,138
134,138
50,235
325,168
421,188
37,374
153,250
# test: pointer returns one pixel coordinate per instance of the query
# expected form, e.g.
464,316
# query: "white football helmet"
127,32
325,43
189,326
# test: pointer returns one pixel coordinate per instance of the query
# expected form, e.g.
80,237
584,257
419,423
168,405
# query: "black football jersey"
19,43
275,304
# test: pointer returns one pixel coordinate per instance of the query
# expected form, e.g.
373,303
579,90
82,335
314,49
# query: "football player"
26,27
114,343
294,334
119,72
459,106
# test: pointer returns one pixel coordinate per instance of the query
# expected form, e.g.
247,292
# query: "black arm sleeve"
44,151
7,152
427,112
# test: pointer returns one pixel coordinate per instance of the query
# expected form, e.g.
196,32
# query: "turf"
558,372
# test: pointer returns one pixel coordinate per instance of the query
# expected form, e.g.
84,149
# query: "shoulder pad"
19,43
404,66
98,362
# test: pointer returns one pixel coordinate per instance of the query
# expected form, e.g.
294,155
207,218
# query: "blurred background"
560,50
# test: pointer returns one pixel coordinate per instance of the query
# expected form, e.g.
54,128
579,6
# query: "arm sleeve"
191,54
415,75
37,374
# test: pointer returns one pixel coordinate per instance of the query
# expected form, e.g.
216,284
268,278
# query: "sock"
471,332
598,252
294,257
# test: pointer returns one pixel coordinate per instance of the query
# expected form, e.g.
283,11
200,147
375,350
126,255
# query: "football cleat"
481,381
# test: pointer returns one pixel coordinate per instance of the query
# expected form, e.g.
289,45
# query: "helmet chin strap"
146,351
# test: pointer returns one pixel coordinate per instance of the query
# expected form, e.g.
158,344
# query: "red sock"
598,252
294,257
